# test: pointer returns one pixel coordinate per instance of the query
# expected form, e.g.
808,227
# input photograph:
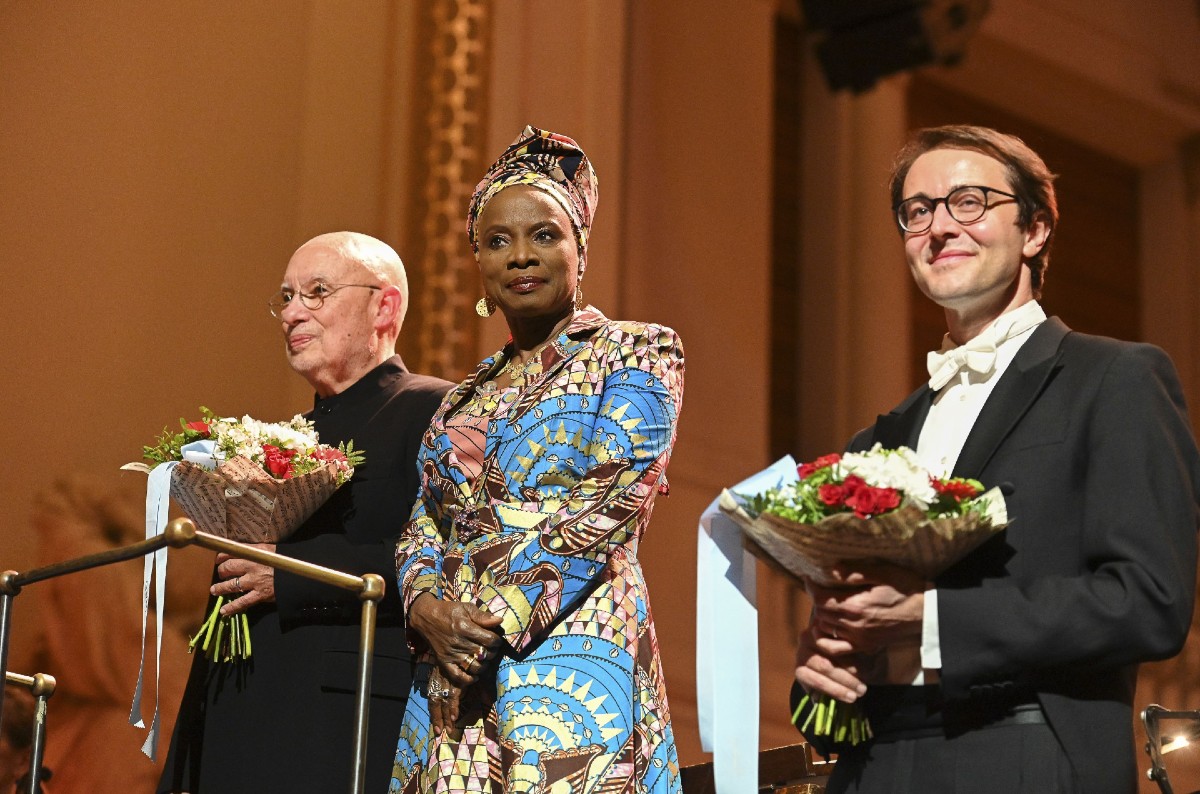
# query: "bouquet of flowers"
879,506
249,481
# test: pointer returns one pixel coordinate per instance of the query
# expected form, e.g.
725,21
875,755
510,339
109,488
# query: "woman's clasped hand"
463,639
461,635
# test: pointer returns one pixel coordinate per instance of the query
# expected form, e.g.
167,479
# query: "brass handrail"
42,686
182,532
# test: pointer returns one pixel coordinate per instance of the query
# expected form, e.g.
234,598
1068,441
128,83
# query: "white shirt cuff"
931,644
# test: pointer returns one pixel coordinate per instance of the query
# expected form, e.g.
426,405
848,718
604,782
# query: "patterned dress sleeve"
530,578
421,546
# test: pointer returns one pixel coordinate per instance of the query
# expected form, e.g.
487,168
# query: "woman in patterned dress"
539,667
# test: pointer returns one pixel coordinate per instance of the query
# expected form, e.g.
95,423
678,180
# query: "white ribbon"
158,500
203,453
727,640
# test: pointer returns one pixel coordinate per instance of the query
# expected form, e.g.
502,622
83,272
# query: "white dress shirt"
951,417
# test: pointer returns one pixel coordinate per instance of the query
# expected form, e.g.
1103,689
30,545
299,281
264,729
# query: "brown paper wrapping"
242,502
904,537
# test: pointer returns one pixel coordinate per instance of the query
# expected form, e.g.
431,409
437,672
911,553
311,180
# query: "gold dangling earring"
578,297
485,307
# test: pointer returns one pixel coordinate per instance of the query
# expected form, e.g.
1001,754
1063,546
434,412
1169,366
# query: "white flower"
287,437
246,436
896,468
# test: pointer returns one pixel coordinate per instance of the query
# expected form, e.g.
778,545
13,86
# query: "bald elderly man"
284,722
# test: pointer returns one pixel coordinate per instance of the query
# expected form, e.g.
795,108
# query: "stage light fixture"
859,42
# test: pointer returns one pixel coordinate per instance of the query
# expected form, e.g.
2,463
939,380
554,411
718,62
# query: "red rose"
886,500
823,462
853,483
832,495
199,427
867,501
956,489
279,461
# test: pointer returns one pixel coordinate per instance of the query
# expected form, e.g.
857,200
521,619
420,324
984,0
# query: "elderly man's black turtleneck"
285,722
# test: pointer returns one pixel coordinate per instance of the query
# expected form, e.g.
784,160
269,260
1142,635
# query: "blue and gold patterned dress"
533,503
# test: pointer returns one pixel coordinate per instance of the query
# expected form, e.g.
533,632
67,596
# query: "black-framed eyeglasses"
312,296
966,204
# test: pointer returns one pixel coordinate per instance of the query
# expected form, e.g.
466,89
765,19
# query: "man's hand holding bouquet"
866,532
249,481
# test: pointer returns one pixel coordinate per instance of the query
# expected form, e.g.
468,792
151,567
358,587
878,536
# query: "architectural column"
1170,289
566,72
695,249
1170,243
854,296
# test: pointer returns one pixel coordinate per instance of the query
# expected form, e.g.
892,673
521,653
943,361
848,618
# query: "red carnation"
956,489
330,454
199,427
279,461
823,462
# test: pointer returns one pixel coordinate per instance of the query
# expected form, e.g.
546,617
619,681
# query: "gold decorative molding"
450,129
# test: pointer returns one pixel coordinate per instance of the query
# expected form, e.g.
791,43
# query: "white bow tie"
978,355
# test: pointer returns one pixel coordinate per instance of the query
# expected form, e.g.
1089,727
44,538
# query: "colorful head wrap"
551,162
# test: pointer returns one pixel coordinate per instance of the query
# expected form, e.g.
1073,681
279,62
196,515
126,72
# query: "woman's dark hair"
1028,176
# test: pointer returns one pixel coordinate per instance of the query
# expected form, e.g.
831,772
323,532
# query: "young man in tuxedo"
1022,658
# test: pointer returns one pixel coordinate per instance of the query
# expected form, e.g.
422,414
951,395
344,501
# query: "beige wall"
149,168
697,248
159,165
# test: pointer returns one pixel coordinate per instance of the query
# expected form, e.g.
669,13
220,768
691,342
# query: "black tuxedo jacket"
284,722
1089,439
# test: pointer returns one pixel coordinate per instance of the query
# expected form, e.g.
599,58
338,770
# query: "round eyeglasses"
966,204
312,296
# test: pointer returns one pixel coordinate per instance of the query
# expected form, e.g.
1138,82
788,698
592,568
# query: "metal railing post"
371,594
182,532
7,590
370,589
42,686
11,583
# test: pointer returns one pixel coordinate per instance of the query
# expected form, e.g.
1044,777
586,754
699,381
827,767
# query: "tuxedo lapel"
1016,391
902,427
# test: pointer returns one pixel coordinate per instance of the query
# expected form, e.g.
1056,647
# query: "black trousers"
1005,748
1016,759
